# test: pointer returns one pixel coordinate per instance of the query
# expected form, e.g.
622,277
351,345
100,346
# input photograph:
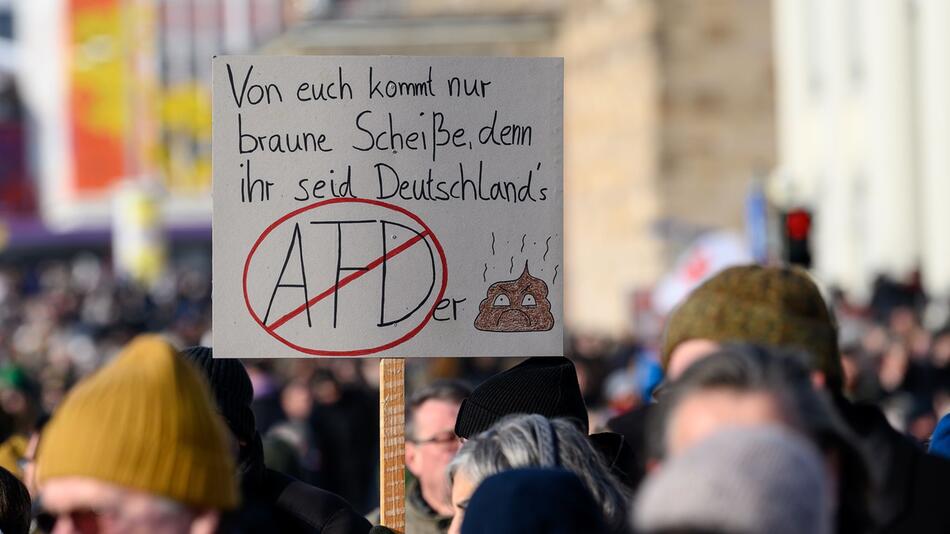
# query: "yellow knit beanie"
11,452
144,421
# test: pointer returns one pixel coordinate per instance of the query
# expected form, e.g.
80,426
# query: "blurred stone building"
864,125
668,115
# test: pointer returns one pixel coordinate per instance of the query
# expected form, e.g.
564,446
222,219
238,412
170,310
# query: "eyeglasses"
445,438
83,521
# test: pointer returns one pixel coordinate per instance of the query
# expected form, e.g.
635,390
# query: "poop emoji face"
516,306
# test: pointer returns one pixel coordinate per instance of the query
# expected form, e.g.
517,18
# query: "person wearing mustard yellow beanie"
138,446
271,501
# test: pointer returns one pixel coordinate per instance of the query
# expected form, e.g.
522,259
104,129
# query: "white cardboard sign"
387,206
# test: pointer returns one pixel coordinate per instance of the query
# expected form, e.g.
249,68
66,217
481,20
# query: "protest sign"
387,206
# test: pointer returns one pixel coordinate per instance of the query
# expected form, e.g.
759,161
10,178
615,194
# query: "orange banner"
97,94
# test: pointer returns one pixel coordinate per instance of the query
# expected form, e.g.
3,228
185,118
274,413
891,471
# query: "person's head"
763,479
544,386
325,387
18,395
522,441
233,394
12,451
778,306
739,385
753,386
137,447
89,506
296,400
553,501
231,388
940,348
15,504
29,456
431,442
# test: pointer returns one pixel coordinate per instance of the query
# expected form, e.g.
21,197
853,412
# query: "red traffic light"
797,224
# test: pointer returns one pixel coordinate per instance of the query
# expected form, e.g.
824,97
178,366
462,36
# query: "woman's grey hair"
520,441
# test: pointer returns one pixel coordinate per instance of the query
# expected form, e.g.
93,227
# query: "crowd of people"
763,407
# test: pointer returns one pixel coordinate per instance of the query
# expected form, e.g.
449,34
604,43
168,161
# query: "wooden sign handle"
392,446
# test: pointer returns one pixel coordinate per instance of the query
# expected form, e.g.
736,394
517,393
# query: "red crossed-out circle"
355,352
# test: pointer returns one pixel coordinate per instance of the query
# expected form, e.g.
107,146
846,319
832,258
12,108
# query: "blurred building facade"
16,189
864,126
668,108
668,115
717,107
119,90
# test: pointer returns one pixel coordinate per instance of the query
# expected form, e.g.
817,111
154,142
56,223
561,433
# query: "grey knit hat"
762,479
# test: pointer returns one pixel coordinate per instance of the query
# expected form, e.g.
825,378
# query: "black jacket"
274,502
910,486
634,427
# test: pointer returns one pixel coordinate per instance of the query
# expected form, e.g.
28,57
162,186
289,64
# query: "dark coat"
910,493
420,517
274,502
634,426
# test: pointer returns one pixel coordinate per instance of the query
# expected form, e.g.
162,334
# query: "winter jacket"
420,517
910,486
274,502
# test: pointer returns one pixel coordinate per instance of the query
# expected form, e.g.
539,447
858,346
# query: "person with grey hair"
738,481
522,441
431,444
746,385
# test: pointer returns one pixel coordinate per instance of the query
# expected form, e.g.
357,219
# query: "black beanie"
231,387
545,386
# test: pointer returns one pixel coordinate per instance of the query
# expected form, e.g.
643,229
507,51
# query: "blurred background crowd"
698,135
63,318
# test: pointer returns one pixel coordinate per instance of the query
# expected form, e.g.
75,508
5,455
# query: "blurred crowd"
830,410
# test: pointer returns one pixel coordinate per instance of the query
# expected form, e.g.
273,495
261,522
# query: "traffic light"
797,228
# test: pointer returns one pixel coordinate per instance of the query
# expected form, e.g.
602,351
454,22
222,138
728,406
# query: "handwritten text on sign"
387,206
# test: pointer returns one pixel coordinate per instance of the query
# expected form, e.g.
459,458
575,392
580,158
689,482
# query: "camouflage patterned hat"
778,306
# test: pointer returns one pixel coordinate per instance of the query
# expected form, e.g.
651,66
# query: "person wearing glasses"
431,444
136,447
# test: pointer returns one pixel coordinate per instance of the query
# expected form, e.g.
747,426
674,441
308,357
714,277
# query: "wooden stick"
392,446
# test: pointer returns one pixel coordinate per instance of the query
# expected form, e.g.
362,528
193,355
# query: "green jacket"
420,517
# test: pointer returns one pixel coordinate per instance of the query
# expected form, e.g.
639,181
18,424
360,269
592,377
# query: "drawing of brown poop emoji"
516,306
